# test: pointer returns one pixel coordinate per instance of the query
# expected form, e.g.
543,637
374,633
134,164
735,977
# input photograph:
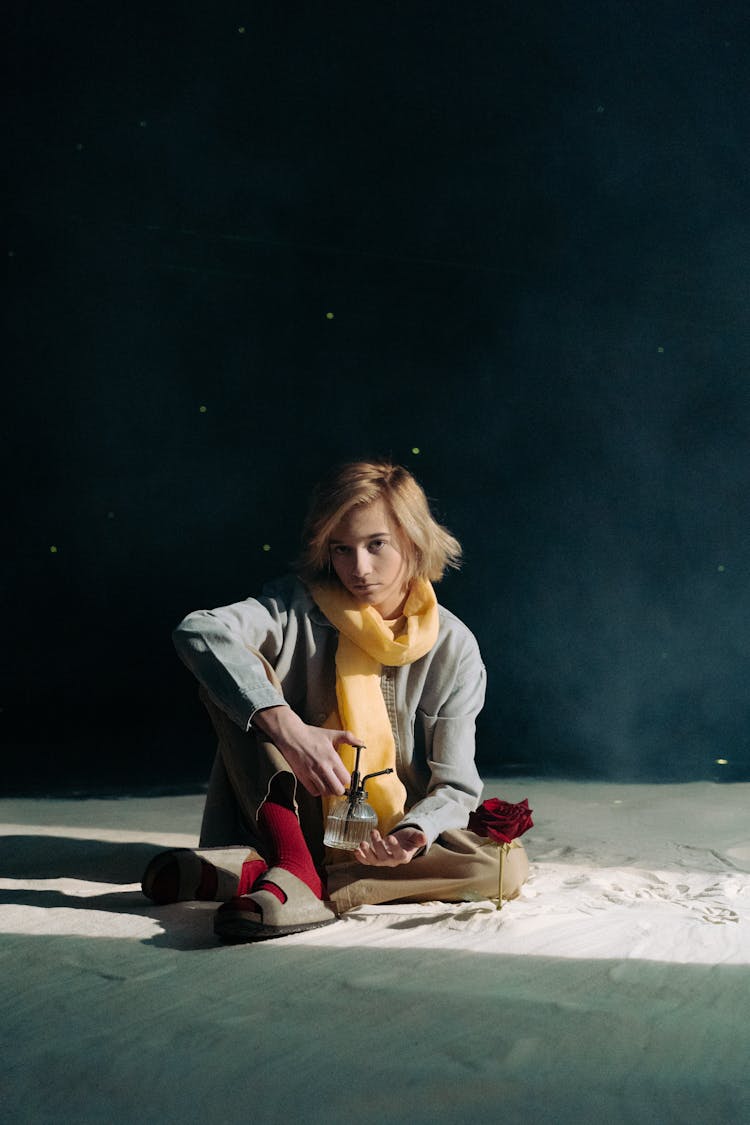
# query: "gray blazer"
432,703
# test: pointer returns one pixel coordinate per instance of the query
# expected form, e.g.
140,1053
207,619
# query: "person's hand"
393,850
310,751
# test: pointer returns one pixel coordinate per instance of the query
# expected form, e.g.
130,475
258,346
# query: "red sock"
252,869
287,847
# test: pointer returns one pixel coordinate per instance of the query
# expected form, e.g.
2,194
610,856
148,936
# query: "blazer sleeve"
454,787
217,646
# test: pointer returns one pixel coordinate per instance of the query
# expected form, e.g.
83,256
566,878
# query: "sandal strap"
301,905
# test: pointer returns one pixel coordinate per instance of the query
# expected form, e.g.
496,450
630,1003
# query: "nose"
361,561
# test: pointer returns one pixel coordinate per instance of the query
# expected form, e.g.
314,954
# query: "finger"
335,783
382,849
325,785
366,855
349,738
366,845
342,775
397,851
325,778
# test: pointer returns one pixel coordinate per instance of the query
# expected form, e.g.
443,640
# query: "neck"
392,610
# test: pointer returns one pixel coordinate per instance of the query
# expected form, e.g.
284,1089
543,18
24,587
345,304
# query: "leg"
221,824
253,785
240,782
197,874
213,871
287,897
241,779
459,867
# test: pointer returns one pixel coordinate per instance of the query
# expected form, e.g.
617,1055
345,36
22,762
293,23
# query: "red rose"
500,820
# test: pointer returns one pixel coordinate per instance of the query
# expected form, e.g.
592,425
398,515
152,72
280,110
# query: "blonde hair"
428,547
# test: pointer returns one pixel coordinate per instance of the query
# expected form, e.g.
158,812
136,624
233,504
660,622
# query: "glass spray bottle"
350,819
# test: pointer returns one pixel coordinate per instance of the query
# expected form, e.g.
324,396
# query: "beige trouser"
460,866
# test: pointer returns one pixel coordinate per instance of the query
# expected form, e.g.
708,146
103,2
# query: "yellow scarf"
365,645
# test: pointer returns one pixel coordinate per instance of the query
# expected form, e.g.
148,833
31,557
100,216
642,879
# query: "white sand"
616,989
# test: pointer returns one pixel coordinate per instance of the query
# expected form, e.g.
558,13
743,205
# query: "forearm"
282,726
444,808
312,752
223,661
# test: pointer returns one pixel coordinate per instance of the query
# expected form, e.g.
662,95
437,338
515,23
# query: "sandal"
259,915
194,874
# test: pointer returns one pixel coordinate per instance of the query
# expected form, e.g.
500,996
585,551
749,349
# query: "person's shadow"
186,925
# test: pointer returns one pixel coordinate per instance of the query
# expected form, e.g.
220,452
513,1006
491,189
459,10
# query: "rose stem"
500,884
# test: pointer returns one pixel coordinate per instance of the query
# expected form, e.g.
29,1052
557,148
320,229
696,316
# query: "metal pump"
351,819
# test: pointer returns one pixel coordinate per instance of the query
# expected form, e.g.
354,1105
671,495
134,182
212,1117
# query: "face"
367,556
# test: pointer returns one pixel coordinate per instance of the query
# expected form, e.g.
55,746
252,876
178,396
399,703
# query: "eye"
377,545
339,549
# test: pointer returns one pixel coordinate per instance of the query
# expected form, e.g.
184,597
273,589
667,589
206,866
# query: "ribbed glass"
348,824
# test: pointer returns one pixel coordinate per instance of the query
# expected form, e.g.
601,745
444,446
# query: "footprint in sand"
719,915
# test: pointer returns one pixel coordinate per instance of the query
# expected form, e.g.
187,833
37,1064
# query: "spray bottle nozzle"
376,774
350,819
357,786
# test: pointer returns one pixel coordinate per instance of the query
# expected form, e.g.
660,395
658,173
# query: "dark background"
529,223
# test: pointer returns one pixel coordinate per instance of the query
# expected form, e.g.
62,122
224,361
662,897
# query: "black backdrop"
505,244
